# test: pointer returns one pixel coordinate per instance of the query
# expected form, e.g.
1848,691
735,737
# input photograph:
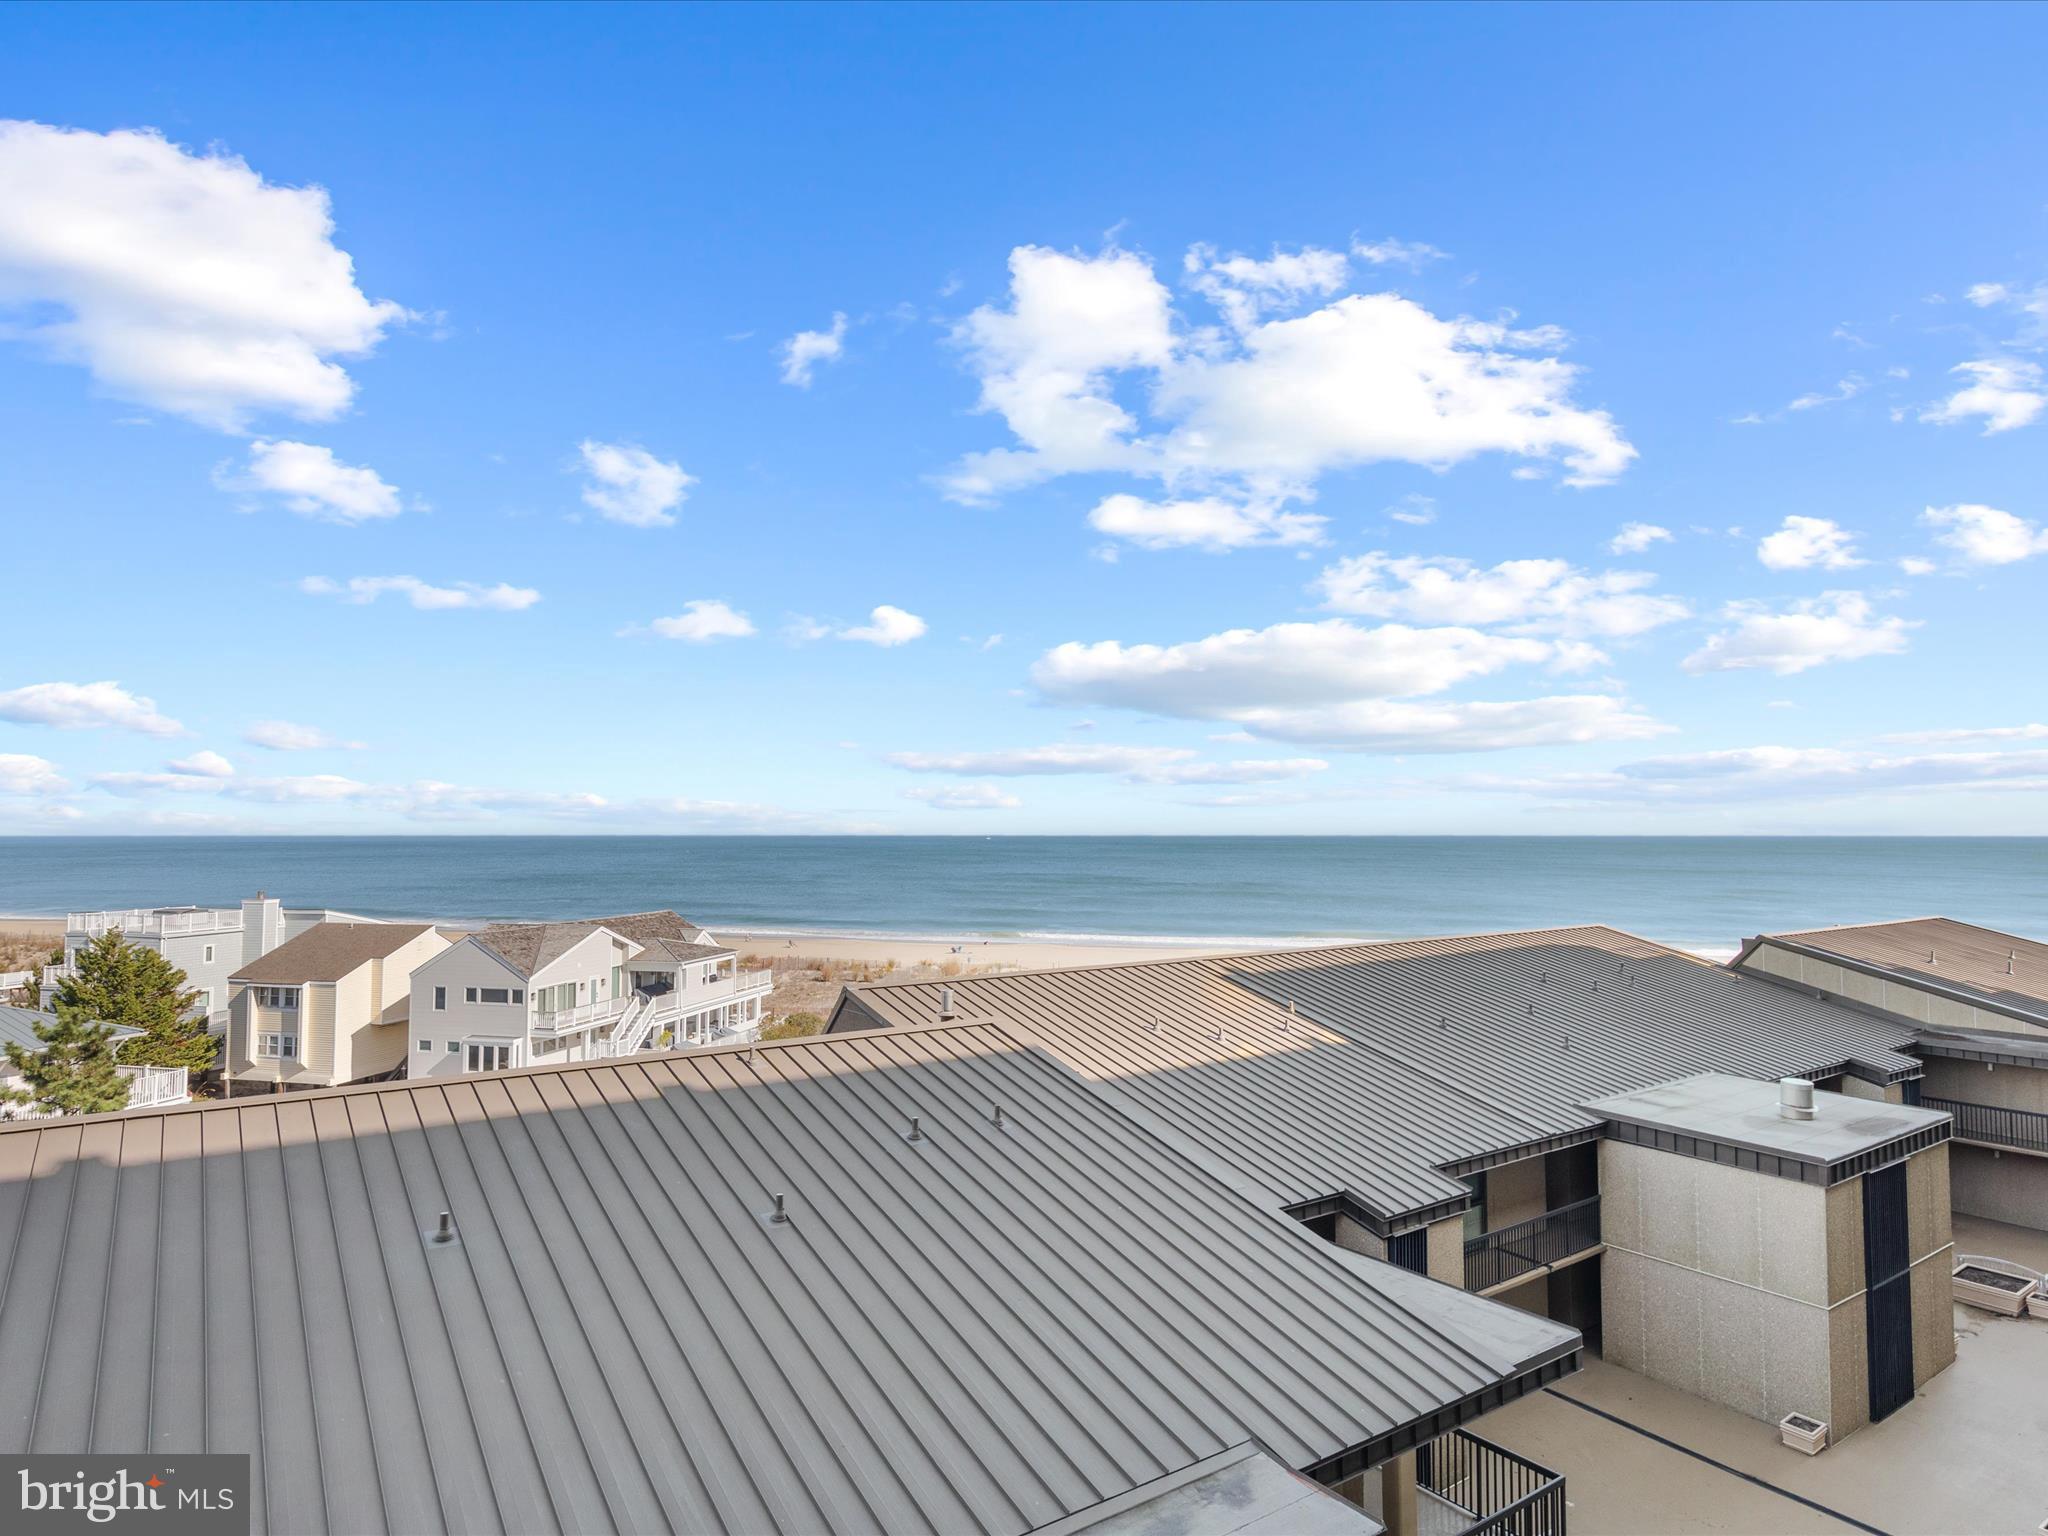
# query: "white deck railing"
149,1086
142,921
582,1016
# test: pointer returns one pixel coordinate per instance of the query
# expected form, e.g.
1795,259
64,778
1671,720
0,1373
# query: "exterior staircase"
635,1025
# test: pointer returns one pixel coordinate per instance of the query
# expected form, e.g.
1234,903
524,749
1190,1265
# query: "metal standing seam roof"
1981,965
1426,1055
1293,1109
983,1330
18,1027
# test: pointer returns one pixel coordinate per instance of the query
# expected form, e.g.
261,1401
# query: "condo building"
1976,1003
528,994
1463,1108
329,1006
209,944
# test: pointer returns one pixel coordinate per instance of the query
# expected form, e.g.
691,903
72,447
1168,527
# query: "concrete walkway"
1969,1455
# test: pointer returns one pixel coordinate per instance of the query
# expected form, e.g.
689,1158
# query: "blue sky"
1023,419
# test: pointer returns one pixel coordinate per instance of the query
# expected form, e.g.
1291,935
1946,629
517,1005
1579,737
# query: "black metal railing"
2021,1128
1501,1255
1506,1494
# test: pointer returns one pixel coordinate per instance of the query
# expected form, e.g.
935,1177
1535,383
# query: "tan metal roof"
985,1329
1405,1058
328,952
2001,969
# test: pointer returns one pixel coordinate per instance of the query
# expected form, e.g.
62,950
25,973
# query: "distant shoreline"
1007,951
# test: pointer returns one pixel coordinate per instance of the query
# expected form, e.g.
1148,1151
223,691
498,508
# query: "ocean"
1702,893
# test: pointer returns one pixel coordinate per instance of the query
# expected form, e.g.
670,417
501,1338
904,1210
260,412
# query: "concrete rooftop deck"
1968,1455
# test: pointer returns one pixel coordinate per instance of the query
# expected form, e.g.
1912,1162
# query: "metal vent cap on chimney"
945,1002
1795,1098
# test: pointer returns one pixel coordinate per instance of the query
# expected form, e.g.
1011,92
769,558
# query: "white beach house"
209,944
533,994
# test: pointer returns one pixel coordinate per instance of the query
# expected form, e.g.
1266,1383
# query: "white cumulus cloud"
1140,765
804,351
286,736
886,626
964,797
1985,535
421,594
2005,392
630,485
1634,538
1258,409
311,481
1533,595
23,774
181,281
1202,522
1801,543
704,619
1812,632
84,706
1340,684
205,765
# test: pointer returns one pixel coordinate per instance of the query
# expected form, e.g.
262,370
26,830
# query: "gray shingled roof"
1406,1058
2000,970
527,947
985,1330
328,952
656,951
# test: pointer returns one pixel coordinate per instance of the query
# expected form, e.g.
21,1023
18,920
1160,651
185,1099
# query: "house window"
454,1046
426,1045
286,998
277,1047
488,1058
469,994
440,1002
495,995
519,996
206,954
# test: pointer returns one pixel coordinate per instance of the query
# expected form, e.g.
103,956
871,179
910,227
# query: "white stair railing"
633,1028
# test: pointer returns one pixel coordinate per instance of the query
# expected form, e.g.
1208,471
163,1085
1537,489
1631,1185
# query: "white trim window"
488,1056
285,999
277,1047
206,954
440,1002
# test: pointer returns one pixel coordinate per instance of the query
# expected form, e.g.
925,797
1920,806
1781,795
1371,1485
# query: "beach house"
1574,1122
147,1086
1976,1003
526,994
207,943
331,1005
928,1282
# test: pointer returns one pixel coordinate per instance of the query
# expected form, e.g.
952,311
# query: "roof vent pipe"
1795,1098
945,1003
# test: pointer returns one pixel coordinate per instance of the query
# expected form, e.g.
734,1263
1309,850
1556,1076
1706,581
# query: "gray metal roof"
18,1027
1405,1058
983,1330
1238,1492
1295,1110
1980,965
1741,1111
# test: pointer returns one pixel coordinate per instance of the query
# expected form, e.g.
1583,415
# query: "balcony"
582,1016
2022,1130
144,922
1511,1252
153,1086
1472,1487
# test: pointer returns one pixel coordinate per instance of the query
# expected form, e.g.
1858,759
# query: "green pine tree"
117,982
73,1074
